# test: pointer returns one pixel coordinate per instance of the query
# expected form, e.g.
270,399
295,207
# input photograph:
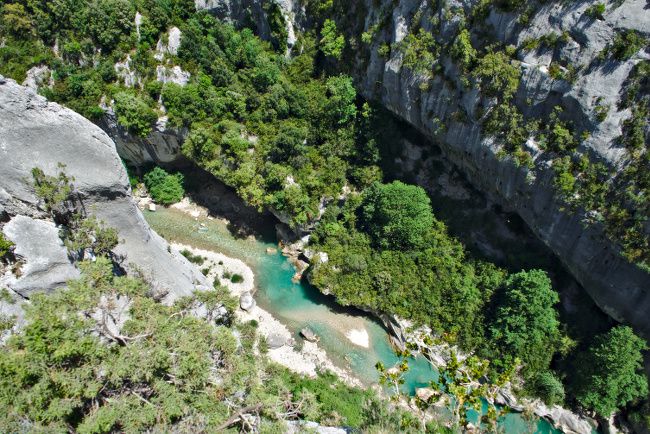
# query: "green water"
298,305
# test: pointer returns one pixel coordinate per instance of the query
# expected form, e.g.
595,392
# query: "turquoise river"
298,305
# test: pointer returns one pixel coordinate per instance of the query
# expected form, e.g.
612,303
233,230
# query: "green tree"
331,42
610,374
201,144
497,75
397,216
420,52
341,107
548,387
462,50
110,21
16,20
134,114
526,325
164,187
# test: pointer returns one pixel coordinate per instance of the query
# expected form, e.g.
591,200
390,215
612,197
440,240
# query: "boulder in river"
309,335
246,301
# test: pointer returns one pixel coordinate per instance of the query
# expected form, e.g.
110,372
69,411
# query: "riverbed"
352,339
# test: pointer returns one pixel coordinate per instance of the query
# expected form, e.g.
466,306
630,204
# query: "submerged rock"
309,335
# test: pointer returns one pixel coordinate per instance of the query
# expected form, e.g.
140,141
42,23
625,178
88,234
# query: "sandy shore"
311,358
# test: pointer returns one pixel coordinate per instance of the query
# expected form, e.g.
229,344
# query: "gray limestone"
35,132
44,262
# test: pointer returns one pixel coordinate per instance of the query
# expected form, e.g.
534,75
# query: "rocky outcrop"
161,146
254,14
620,288
35,132
44,263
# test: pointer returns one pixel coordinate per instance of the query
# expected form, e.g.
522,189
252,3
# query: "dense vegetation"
611,372
288,133
379,258
71,369
106,355
164,187
265,124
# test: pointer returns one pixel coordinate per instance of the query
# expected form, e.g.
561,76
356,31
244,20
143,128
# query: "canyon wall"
432,106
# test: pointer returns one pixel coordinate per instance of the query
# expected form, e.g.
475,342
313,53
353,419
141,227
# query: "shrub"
610,373
163,187
5,246
596,11
397,216
195,259
462,50
236,278
548,387
420,52
497,75
332,42
134,114
626,44
89,234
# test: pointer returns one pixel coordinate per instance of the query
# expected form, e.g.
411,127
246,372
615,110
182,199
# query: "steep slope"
35,132
618,286
581,57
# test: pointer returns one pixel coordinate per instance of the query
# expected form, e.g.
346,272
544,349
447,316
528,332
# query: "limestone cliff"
449,114
620,288
35,132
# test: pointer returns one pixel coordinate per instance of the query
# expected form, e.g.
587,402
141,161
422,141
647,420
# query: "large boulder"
44,263
246,301
35,132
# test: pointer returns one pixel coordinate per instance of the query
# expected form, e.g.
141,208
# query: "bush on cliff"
134,114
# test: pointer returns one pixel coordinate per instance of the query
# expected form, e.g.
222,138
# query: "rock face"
253,13
620,288
163,145
35,132
45,259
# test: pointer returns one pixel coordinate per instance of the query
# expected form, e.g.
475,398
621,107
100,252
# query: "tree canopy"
397,216
610,374
526,324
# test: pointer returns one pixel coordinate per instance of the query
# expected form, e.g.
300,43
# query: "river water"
298,305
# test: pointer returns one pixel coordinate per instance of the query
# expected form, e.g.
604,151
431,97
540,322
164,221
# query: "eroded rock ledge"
35,132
